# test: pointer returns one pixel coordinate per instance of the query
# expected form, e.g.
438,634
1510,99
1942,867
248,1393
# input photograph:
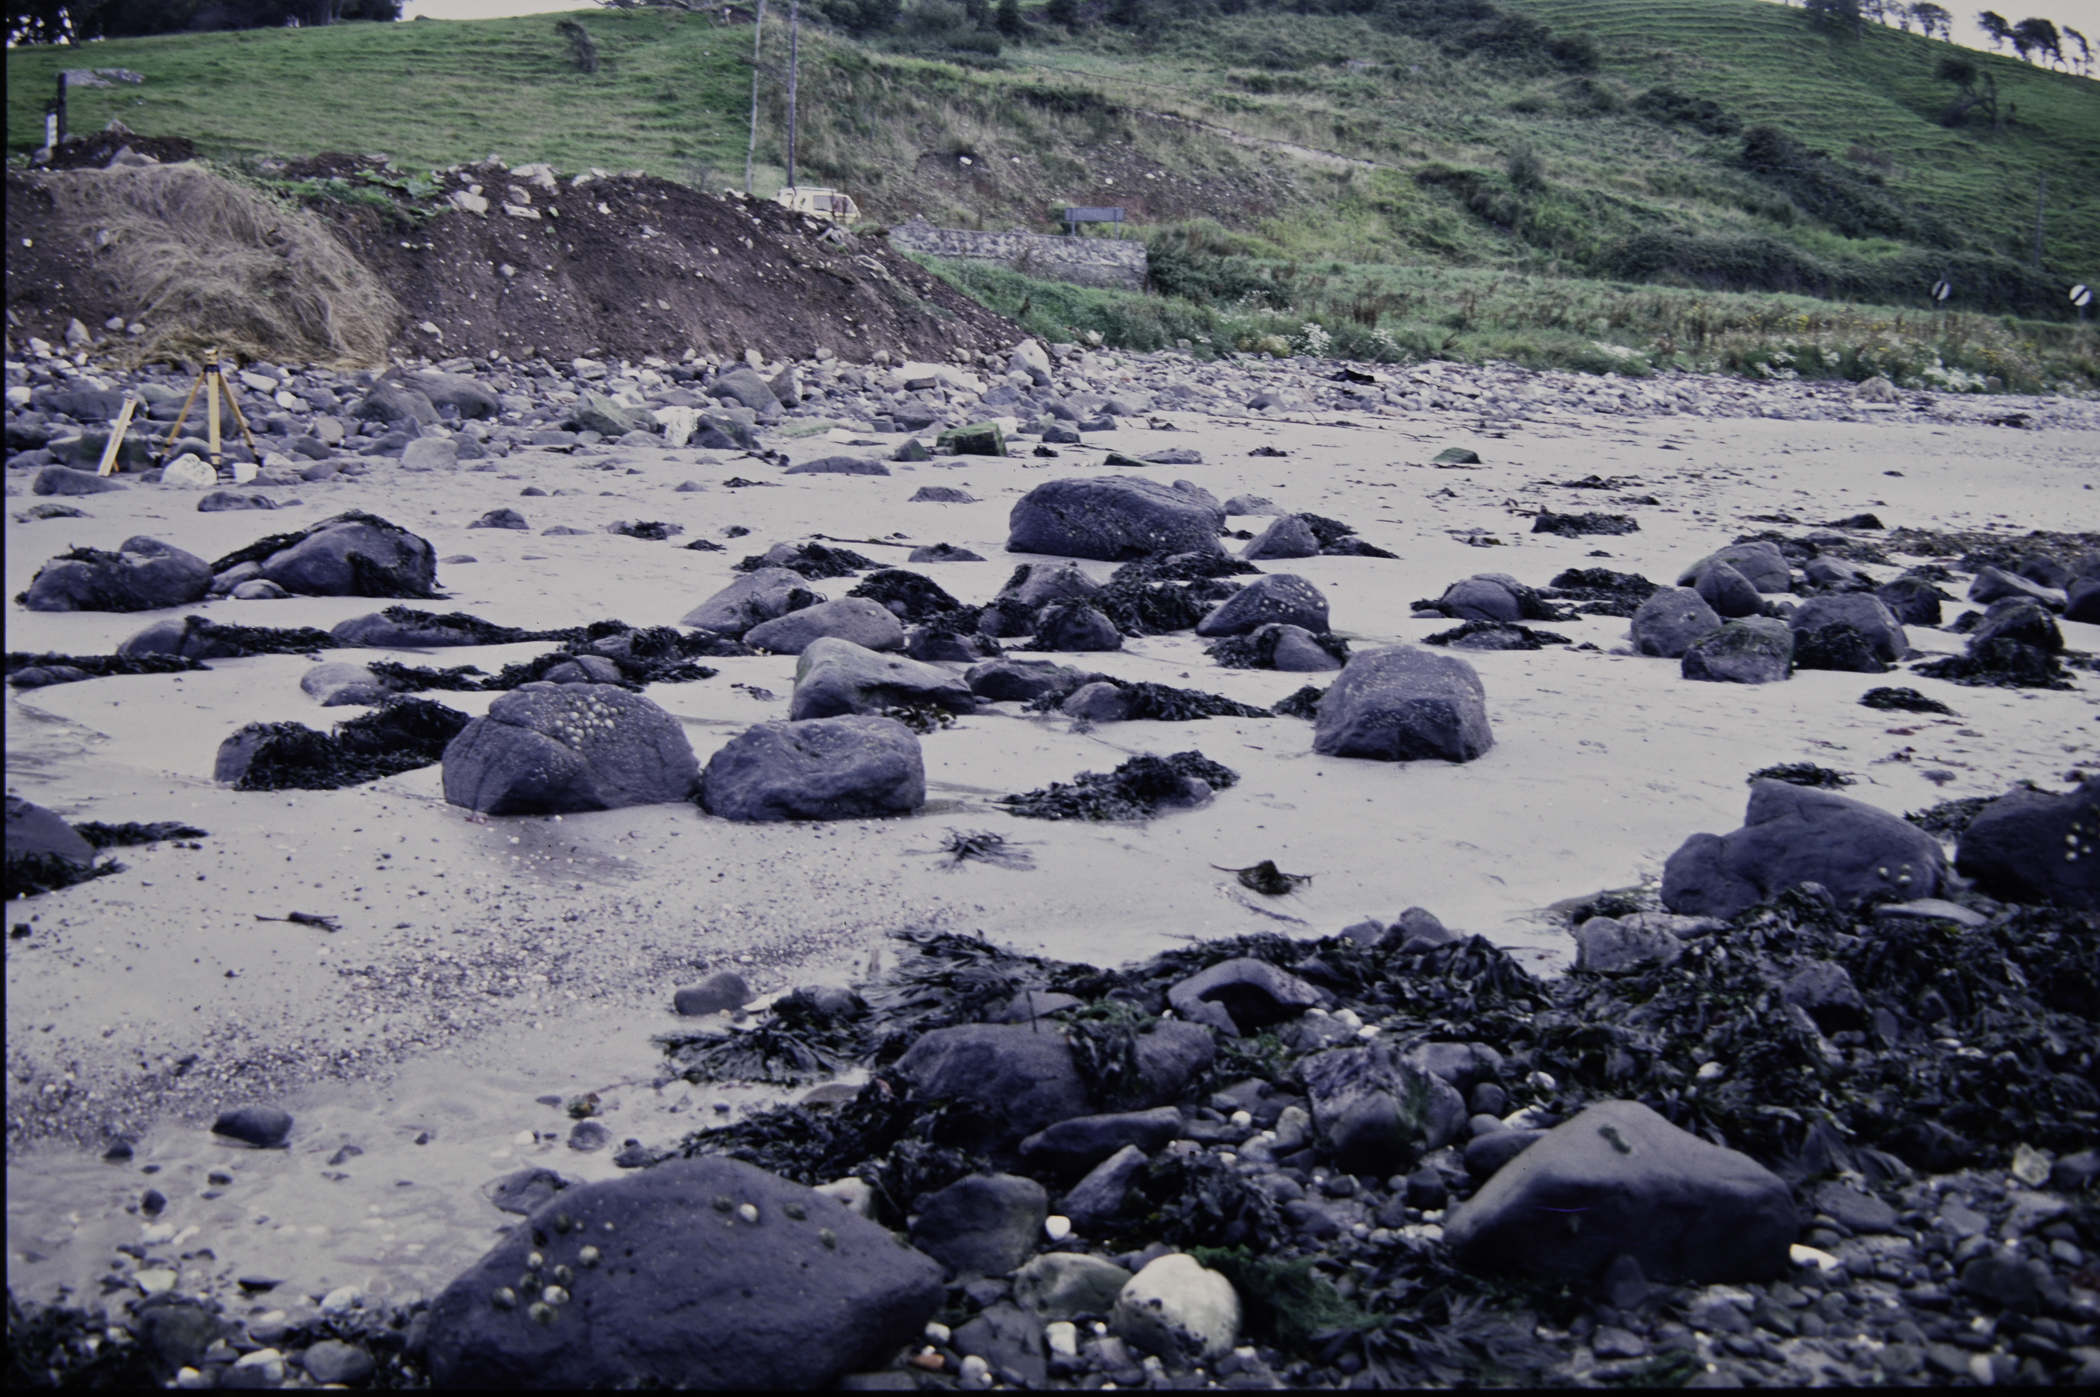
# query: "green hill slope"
1368,170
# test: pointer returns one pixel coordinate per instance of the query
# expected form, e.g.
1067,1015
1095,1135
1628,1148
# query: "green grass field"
672,90
1355,176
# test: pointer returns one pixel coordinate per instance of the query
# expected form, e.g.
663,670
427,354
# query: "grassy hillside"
1362,171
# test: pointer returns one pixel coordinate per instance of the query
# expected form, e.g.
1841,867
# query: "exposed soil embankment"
628,265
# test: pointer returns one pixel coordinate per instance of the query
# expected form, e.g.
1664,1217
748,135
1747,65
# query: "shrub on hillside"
1851,202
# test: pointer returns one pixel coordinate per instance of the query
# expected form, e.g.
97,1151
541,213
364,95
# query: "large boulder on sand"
1619,1180
1760,562
1280,598
1404,704
144,574
1113,517
1755,650
548,749
354,555
1726,590
1866,614
752,599
866,623
702,1273
2037,846
34,832
1671,621
835,677
1288,537
1797,834
824,769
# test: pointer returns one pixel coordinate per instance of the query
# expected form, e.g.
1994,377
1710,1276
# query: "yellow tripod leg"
116,436
182,416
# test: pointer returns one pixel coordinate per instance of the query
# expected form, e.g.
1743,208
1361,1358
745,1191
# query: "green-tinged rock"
977,439
1456,456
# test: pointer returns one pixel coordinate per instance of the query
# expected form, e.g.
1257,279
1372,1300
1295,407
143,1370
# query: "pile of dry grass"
212,264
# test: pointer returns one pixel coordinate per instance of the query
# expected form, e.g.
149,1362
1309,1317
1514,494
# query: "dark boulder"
34,832
1404,704
391,401
1379,1113
2084,600
725,990
1112,518
1824,991
836,677
1276,599
1287,537
1863,612
1244,995
1760,562
1074,1146
2037,846
191,637
1756,650
1913,601
471,400
754,598
982,1224
843,768
502,519
1797,834
1671,621
232,501
865,623
1483,597
144,574
64,480
354,555
265,1127
1619,1180
1018,1079
1075,627
1995,584
697,1273
1726,590
2021,620
1008,680
548,749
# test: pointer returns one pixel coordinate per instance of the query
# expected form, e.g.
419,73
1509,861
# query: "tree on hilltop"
1846,14
2038,36
1995,28
2085,50
1936,21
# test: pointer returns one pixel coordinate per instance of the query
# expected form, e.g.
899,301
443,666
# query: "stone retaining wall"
1111,262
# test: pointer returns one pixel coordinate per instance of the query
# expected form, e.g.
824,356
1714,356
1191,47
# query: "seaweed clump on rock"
400,735
1136,790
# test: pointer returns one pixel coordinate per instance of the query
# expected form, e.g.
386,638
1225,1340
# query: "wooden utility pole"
758,34
794,41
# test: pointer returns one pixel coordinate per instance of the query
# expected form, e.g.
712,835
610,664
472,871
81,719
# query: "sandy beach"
487,967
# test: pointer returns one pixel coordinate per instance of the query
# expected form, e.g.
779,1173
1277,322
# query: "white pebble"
1242,1119
341,1299
1057,1228
1063,1337
157,1281
937,1333
976,1373
158,1232
1348,1018
1809,1256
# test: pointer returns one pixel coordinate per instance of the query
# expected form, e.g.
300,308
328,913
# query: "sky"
2082,15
